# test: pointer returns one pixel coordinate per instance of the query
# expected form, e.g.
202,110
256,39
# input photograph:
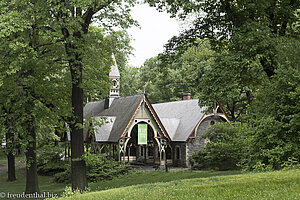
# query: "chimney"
186,96
108,101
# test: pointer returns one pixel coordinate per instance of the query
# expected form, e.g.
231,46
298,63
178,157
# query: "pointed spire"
114,69
114,76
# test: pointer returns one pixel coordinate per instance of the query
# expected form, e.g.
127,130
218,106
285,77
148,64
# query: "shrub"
51,168
49,161
227,147
64,176
98,168
101,168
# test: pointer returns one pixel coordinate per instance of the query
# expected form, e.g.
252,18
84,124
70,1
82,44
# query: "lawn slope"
269,185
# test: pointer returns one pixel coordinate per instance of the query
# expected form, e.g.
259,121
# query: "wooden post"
119,153
145,153
160,156
109,154
124,153
137,152
128,154
114,152
154,153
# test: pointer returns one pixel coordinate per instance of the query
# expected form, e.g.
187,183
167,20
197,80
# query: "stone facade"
195,144
179,154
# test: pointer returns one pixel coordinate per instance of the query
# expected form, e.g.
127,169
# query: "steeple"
114,76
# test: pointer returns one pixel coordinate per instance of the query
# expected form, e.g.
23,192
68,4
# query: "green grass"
154,177
46,184
269,185
177,185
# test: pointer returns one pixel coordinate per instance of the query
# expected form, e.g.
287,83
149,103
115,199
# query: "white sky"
156,28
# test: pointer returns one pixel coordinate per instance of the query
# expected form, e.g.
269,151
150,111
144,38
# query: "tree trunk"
79,181
31,164
10,157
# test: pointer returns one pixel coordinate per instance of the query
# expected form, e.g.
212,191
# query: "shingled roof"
179,117
121,110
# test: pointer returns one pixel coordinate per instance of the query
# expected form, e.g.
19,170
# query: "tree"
275,113
97,61
249,26
79,16
130,81
44,43
244,33
25,66
256,44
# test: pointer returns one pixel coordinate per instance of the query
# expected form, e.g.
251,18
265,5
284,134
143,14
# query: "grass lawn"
154,177
46,184
177,185
268,185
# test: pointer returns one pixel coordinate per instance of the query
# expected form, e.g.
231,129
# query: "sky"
156,28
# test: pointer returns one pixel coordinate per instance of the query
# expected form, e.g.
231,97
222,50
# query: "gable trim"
227,118
157,118
130,118
208,115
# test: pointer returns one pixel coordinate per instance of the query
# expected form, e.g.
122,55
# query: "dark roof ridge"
141,94
90,102
116,98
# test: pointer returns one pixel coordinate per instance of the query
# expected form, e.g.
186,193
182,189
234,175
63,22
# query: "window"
115,83
177,153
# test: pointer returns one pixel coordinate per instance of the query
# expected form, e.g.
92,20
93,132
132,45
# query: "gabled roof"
121,110
179,117
105,128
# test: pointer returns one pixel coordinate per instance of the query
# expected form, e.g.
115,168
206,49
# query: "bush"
52,168
98,168
101,168
227,147
49,161
64,176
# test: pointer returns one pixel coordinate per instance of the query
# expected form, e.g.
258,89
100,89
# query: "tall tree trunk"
31,163
73,49
79,180
10,156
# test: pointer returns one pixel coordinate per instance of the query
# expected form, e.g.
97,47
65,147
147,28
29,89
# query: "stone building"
134,130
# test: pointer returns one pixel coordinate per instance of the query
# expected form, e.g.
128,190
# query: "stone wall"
196,144
181,161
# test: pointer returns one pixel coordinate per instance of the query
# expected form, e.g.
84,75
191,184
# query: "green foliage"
49,161
101,168
227,146
47,55
98,60
275,113
69,192
254,74
98,168
167,81
130,81
64,176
